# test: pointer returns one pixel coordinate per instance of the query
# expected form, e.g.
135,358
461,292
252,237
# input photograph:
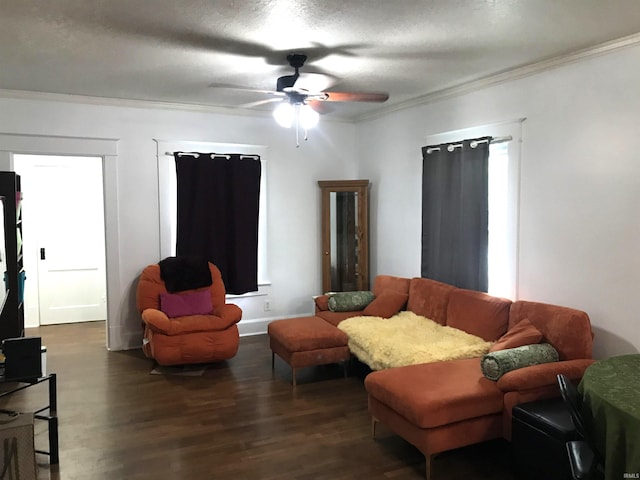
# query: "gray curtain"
455,213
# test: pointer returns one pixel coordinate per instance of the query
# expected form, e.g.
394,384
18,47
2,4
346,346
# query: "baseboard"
258,326
128,340
120,339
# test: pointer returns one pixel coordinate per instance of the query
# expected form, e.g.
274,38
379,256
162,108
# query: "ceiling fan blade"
314,82
261,102
355,97
319,106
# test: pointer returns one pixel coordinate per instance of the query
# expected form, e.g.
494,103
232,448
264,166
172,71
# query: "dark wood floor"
237,421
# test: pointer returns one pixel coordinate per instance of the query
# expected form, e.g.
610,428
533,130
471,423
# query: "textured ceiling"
194,51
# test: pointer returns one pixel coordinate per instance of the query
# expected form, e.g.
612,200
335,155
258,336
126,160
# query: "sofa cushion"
190,348
524,333
349,301
387,304
429,298
408,339
185,304
383,283
334,318
567,329
478,313
434,394
496,364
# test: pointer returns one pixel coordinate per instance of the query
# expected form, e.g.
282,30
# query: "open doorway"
64,238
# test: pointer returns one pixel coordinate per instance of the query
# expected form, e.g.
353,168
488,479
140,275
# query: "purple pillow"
183,304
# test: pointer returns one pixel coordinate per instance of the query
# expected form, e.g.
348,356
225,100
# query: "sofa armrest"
322,303
229,312
544,375
160,323
156,320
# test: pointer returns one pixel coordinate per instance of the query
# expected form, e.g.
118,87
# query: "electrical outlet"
267,305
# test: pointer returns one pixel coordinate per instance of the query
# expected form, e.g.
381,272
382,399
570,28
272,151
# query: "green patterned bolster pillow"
350,301
495,364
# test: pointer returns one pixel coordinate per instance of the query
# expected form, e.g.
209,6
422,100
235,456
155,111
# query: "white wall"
580,186
293,204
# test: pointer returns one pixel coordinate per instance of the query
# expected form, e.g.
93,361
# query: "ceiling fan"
301,101
294,90
287,85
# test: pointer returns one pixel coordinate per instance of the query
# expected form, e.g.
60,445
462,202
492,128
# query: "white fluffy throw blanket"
407,339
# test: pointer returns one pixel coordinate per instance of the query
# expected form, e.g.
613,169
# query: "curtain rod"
212,155
473,144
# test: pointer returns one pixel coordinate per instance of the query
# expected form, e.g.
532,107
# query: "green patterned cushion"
496,364
350,301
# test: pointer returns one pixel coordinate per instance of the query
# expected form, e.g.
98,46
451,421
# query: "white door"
64,243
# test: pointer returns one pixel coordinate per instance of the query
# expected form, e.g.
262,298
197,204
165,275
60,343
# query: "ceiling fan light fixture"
308,117
284,114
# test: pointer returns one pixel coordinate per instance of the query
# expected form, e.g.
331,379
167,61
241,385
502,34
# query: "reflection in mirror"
344,241
345,235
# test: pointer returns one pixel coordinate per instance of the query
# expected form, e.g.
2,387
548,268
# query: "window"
499,238
167,193
504,184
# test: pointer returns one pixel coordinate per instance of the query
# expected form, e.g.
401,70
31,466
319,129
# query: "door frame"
28,167
107,148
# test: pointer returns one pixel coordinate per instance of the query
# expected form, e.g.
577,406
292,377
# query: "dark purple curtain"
455,213
218,207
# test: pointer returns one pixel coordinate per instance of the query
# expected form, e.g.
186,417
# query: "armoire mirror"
345,235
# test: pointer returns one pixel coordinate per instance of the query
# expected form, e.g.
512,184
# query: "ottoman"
306,342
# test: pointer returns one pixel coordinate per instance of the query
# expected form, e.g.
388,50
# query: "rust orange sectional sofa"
450,404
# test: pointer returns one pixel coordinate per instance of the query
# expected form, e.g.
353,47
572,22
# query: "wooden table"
611,394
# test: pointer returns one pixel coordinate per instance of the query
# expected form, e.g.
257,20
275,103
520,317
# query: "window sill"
261,292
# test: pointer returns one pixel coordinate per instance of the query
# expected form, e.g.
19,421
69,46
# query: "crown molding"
143,104
506,76
453,91
130,103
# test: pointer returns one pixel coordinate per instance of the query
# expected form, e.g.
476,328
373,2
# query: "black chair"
540,431
584,459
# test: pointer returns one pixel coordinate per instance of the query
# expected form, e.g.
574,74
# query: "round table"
611,394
